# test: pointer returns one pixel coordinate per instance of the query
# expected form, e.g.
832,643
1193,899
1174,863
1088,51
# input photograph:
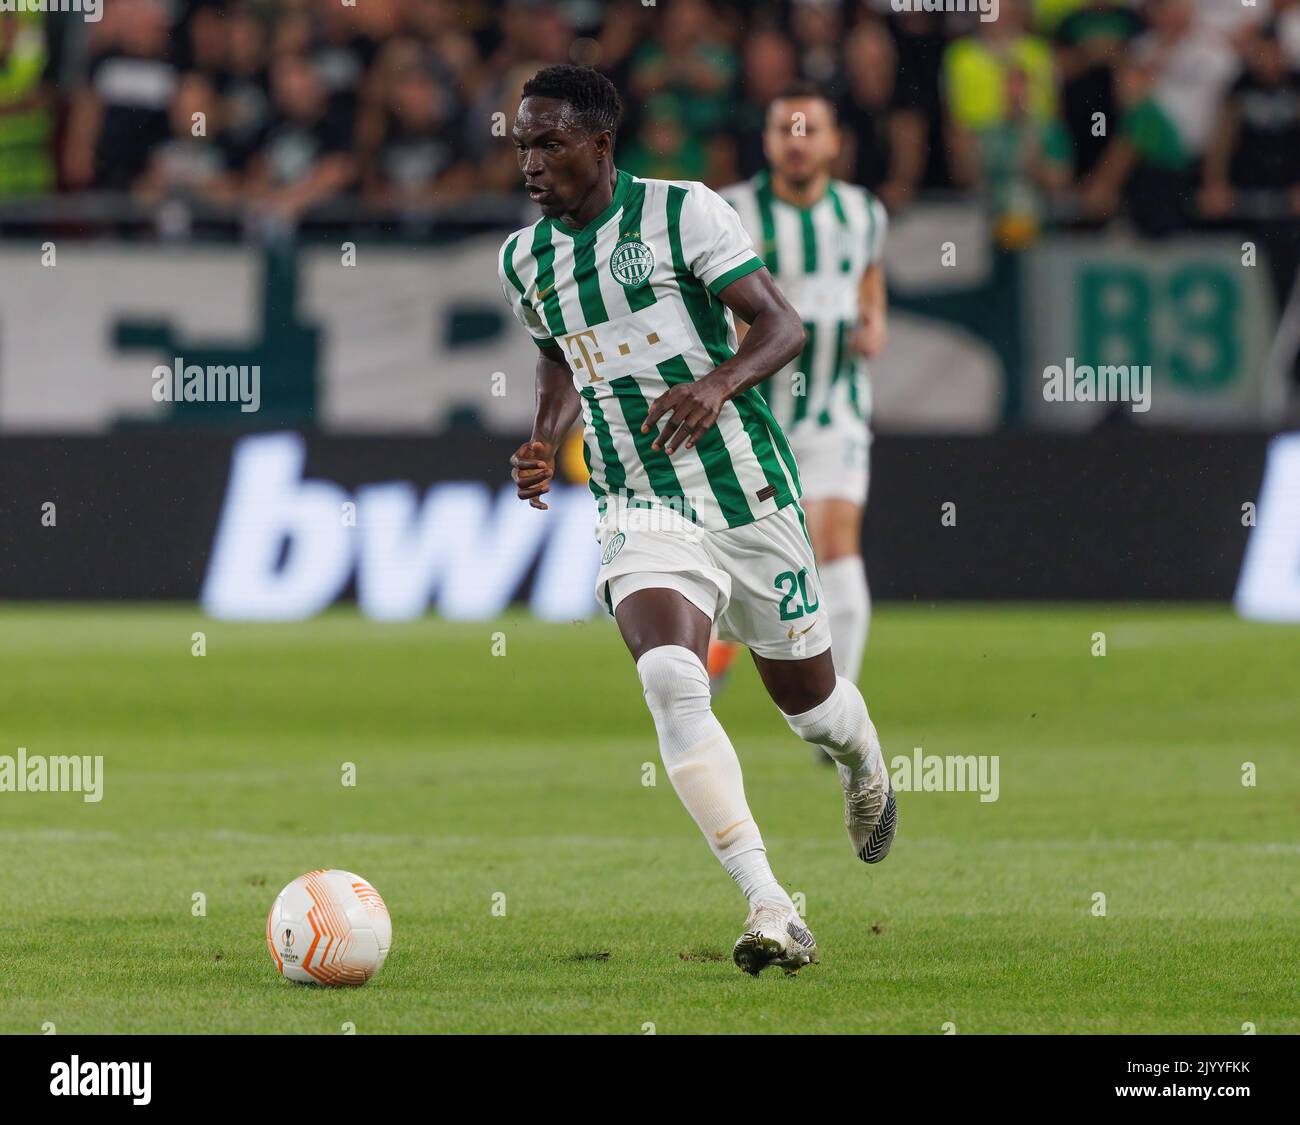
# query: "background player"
822,240
627,286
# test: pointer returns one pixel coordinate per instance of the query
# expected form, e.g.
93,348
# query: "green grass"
521,775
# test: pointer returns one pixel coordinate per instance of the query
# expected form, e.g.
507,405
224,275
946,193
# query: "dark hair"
595,101
806,89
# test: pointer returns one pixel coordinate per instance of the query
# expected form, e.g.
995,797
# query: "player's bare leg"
668,637
827,710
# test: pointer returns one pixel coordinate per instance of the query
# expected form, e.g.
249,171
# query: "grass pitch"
489,783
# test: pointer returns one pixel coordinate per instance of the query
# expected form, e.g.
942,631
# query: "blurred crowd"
1167,112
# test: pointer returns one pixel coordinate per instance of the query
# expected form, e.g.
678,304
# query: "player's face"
559,159
801,141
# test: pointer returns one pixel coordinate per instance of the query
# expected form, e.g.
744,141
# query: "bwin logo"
283,551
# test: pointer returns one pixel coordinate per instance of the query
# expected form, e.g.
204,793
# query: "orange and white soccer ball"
330,927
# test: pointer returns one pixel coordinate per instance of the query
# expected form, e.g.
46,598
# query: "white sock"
848,604
704,769
840,724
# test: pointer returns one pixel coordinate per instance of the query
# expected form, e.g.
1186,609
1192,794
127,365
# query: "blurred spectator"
534,34
1188,68
190,165
818,30
1091,42
768,66
25,122
122,112
622,30
885,136
203,41
688,69
307,157
244,89
1001,76
452,53
406,103
663,147
1170,89
1256,141
497,163
682,84
419,158
920,43
341,55
1022,160
532,31
1255,151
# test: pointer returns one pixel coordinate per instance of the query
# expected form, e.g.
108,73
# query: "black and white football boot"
775,935
870,813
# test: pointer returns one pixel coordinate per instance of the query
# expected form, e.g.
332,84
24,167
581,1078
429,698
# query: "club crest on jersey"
612,548
632,262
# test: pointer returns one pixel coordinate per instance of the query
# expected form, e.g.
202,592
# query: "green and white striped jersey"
818,255
632,300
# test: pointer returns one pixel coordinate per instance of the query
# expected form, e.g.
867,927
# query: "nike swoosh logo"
729,827
542,293
792,634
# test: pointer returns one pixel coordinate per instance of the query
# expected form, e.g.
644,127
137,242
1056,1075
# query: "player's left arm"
873,302
718,251
868,336
775,337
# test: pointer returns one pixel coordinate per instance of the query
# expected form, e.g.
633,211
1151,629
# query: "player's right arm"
558,404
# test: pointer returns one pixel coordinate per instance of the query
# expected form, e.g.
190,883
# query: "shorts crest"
612,548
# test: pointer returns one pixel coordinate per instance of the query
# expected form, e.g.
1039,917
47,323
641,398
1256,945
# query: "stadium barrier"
283,524
352,335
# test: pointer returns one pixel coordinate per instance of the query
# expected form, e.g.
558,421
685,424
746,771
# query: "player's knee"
839,720
673,680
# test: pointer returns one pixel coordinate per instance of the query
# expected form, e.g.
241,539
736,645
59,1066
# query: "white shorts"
834,461
757,583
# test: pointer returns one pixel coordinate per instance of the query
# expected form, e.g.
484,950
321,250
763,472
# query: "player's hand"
691,408
868,337
532,466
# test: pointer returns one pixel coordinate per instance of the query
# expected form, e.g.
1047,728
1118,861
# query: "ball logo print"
349,931
631,263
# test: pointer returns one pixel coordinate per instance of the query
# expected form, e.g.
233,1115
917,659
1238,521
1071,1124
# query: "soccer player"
821,239
628,287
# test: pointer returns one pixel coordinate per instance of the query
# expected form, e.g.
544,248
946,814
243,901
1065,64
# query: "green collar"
622,184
